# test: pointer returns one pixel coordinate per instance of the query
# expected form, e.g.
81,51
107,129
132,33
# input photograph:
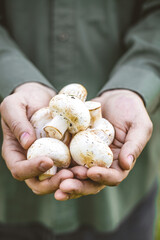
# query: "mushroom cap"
39,119
52,148
89,150
105,130
73,110
75,89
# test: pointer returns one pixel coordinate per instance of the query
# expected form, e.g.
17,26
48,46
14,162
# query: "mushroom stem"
66,138
48,174
56,127
98,125
94,110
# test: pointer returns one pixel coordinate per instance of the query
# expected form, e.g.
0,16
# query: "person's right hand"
18,135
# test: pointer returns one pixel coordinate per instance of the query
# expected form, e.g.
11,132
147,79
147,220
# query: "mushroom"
104,129
69,113
52,148
98,125
39,119
87,149
76,90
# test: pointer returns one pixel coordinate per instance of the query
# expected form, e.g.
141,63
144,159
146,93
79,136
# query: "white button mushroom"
52,148
105,130
89,150
100,126
39,119
76,90
70,113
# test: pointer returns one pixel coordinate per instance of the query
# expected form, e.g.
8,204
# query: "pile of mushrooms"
72,128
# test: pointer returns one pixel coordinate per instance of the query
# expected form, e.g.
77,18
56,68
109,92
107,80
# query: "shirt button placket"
63,21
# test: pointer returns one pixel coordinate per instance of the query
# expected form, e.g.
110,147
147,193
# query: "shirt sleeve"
139,68
15,68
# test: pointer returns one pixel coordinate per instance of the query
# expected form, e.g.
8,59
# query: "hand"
133,127
18,135
126,111
77,187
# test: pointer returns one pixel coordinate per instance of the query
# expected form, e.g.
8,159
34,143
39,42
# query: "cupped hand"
78,186
133,129
18,135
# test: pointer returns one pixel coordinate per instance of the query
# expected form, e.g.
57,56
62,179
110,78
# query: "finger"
61,196
21,168
112,176
79,172
14,114
49,185
135,142
15,158
80,188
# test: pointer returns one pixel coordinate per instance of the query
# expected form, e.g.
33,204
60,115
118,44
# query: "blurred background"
158,213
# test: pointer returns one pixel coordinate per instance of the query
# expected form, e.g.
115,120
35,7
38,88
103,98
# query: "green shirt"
102,44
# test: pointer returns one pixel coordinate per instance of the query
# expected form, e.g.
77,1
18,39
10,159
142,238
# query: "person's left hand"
133,127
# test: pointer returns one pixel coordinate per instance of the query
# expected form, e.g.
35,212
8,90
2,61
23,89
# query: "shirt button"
63,37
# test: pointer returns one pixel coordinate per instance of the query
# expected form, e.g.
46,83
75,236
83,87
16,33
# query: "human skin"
18,135
133,130
133,127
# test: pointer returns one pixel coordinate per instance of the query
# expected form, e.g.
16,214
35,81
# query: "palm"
118,142
126,112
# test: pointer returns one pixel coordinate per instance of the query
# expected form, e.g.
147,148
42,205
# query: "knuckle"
15,126
64,173
16,175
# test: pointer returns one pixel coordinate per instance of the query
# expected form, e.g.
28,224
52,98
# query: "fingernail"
43,167
130,160
24,138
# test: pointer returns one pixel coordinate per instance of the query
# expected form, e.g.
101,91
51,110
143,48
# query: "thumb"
135,142
15,117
